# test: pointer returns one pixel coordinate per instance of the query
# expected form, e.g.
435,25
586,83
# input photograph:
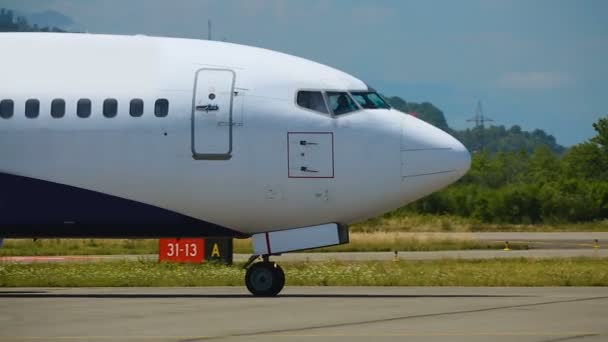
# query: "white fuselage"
253,173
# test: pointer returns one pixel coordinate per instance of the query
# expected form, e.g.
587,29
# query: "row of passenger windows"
338,102
83,108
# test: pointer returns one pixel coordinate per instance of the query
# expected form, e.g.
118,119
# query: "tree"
585,161
589,160
601,127
425,111
544,165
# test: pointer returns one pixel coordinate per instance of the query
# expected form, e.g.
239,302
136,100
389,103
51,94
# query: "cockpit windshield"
369,100
340,102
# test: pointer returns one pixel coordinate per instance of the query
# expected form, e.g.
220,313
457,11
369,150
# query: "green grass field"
511,272
18,247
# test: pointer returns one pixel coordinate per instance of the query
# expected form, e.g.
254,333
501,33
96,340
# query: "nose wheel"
265,279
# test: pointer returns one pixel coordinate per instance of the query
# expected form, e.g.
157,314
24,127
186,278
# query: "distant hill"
492,139
501,139
51,19
11,22
425,111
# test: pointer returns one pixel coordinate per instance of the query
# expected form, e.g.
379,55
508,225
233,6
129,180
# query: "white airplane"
145,137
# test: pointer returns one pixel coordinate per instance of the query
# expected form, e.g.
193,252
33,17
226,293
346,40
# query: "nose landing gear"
264,279
267,278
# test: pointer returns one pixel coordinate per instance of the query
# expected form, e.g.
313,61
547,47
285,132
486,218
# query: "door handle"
304,143
306,169
207,108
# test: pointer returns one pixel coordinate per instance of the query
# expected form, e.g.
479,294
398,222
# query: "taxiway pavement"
305,314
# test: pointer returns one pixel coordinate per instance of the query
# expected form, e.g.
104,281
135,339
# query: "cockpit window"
370,100
312,100
341,103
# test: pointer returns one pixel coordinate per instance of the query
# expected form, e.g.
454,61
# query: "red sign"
182,250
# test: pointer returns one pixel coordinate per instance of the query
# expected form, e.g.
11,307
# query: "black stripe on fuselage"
33,208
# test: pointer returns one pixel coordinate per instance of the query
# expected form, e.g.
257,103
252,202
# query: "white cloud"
534,80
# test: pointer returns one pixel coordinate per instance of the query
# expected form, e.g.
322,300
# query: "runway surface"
556,240
305,314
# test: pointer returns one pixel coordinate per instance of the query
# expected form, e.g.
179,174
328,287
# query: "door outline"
211,156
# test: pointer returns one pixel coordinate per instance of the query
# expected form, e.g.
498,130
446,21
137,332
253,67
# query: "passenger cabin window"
57,108
110,108
312,100
369,100
161,108
83,108
32,108
6,109
136,108
341,103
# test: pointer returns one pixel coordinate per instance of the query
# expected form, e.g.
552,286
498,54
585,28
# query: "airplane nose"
460,158
430,155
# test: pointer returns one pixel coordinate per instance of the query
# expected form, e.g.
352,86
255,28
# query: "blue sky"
538,64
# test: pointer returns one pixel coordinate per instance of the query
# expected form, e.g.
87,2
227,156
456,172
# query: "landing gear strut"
264,279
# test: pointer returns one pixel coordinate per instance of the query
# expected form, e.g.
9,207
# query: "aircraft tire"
265,279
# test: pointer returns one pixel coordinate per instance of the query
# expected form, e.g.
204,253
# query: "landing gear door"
212,121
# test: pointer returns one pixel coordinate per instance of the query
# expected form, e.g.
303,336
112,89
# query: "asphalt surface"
437,255
305,314
556,240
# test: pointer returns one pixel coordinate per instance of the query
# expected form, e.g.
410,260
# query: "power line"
480,119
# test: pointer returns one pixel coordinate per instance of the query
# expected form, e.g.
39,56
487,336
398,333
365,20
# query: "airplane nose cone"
460,158
431,159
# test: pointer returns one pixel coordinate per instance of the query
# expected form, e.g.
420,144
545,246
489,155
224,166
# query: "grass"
445,223
509,272
360,242
18,247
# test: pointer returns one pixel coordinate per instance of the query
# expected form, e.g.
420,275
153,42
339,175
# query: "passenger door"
212,114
